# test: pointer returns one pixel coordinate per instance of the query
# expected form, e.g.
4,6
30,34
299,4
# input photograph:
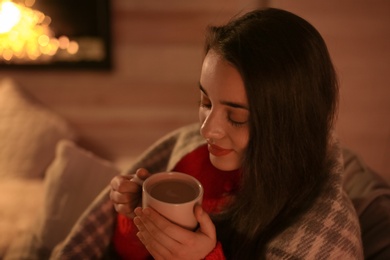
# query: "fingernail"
138,211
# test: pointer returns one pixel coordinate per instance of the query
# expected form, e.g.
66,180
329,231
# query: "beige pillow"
19,201
29,133
73,180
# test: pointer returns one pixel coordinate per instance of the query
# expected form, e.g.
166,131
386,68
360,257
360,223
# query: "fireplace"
67,34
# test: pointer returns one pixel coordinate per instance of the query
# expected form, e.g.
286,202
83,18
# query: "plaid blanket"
329,230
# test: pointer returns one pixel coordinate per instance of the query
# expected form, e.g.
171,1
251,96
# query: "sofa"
42,169
48,179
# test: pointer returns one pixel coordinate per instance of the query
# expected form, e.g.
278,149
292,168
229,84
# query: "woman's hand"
165,240
126,192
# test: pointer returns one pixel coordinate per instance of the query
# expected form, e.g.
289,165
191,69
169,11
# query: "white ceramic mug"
174,195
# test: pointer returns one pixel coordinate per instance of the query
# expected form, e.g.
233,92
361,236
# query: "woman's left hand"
165,240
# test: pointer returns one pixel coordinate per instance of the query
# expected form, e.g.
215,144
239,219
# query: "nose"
212,127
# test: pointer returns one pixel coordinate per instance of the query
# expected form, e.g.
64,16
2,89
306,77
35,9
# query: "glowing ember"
25,34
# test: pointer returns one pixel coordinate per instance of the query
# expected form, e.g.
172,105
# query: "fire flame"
25,34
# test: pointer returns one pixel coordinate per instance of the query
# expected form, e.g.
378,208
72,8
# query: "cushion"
29,133
370,195
19,201
73,180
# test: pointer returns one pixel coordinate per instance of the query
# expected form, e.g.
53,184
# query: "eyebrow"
227,103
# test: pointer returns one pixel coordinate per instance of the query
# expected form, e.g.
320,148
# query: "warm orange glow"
73,47
64,42
29,3
9,16
25,33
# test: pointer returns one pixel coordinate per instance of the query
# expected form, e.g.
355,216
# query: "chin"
224,164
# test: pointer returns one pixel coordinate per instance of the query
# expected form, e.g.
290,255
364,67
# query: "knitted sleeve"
216,254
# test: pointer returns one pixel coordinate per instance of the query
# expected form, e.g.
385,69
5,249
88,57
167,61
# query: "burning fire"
25,34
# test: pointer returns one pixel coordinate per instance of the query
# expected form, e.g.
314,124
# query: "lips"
218,151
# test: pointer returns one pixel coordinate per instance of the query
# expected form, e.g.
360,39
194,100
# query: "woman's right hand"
126,192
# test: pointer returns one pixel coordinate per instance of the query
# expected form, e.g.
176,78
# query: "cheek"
243,140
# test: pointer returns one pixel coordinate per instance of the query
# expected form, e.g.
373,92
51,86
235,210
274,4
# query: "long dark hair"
292,92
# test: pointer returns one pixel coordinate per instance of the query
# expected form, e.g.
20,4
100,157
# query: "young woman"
264,152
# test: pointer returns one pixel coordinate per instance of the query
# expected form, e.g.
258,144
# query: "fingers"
142,173
156,224
125,193
155,241
123,184
140,176
154,232
166,240
122,188
206,225
124,209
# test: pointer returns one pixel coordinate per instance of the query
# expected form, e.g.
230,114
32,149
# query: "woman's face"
223,112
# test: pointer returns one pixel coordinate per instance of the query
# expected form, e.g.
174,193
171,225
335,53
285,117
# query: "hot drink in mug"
174,195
